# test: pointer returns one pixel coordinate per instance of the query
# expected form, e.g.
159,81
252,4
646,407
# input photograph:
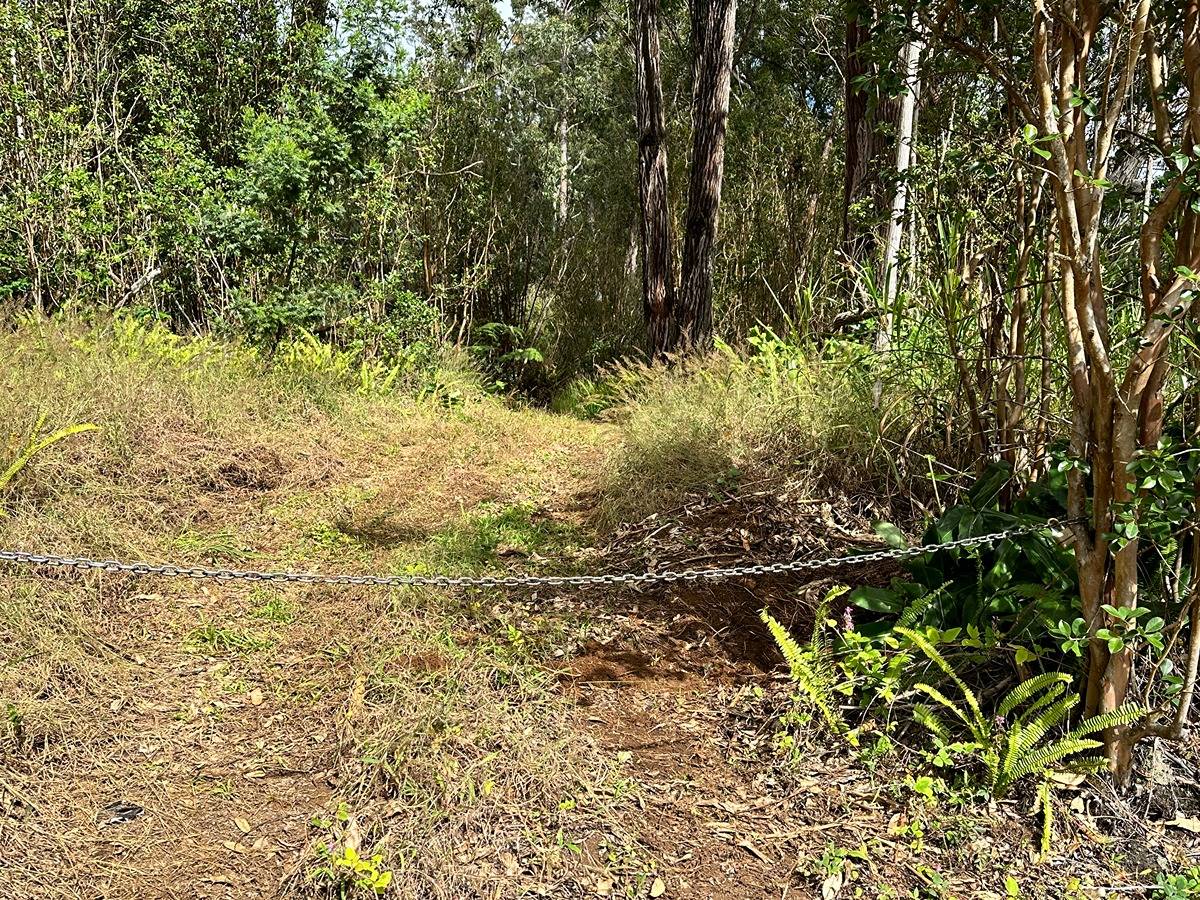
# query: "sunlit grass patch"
482,538
212,638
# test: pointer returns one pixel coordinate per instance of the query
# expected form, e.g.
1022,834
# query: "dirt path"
186,735
206,742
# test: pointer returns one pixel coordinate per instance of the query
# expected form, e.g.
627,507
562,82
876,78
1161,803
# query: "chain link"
19,557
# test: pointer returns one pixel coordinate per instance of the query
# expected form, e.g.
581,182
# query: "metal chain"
19,557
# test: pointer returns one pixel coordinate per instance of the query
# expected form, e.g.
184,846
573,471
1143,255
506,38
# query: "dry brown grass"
728,420
426,721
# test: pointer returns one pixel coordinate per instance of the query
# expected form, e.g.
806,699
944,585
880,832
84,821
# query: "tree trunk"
865,139
564,170
895,231
712,42
564,128
658,276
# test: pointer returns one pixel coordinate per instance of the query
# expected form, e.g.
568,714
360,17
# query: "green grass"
272,607
479,539
228,639
712,424
219,545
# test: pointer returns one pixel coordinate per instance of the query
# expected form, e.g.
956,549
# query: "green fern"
925,715
1016,750
808,668
915,611
975,720
35,444
1027,689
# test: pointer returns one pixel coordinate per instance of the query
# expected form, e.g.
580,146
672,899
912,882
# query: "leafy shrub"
1015,741
505,353
1183,885
1019,588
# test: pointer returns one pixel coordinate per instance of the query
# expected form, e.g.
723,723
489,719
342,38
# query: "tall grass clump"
779,410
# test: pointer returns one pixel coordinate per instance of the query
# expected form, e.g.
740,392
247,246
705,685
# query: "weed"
838,866
34,444
225,639
273,607
1183,885
223,545
347,874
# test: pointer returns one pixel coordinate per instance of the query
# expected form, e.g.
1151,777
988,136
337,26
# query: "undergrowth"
782,410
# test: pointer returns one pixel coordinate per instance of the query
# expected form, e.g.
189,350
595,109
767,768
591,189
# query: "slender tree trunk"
895,231
564,170
658,276
866,144
712,38
564,128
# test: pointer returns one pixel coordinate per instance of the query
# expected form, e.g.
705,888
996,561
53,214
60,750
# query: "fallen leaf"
243,825
658,888
1067,779
256,697
604,887
1187,824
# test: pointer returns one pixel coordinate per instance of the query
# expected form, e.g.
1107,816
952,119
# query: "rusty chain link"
22,558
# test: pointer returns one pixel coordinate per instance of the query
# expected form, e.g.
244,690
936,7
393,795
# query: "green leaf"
892,535
1025,655
876,599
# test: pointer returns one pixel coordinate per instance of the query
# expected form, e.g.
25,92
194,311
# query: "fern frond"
979,727
1027,689
1086,765
1031,733
806,676
792,652
932,692
1048,756
816,643
1124,715
1032,710
915,610
923,714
